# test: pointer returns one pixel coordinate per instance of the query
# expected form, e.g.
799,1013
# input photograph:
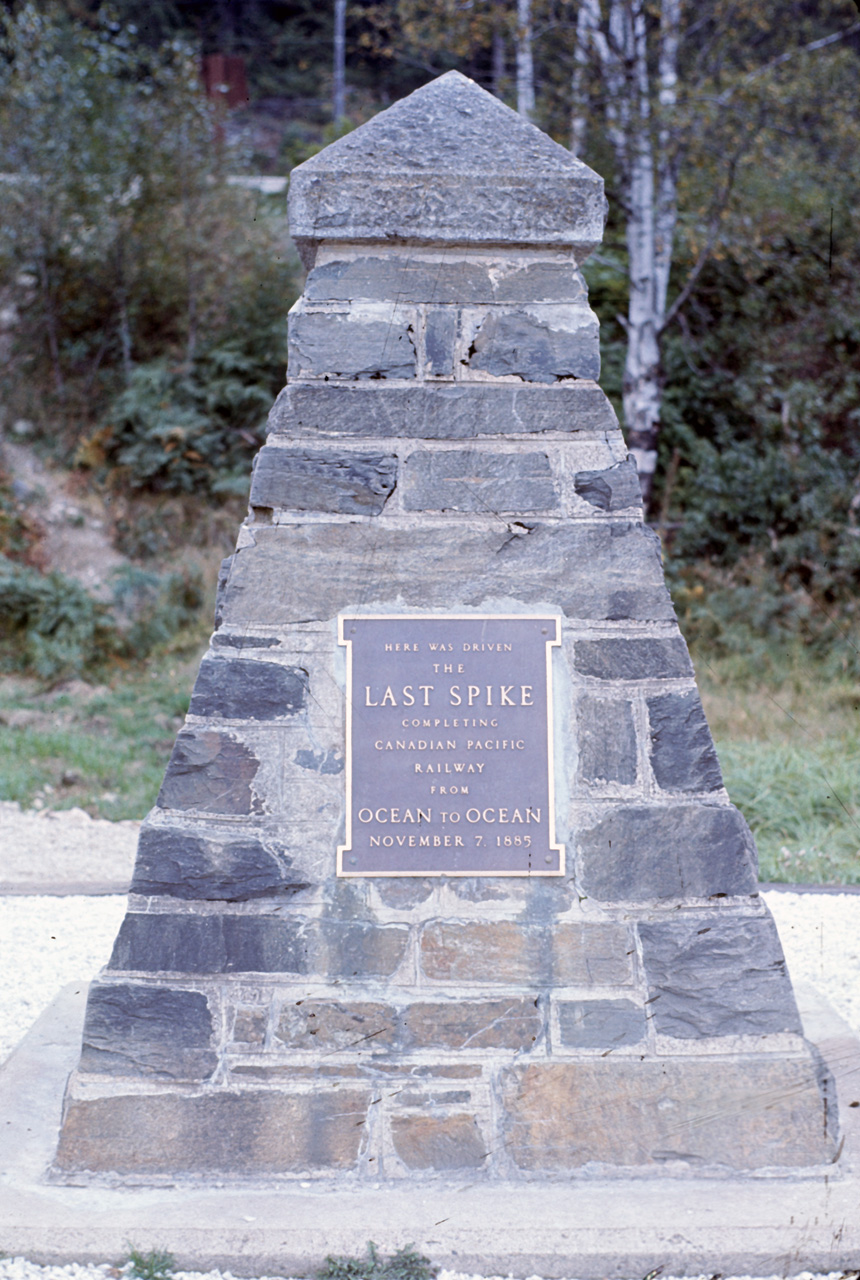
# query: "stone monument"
442,875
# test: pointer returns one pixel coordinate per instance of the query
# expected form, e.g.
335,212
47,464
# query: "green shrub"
51,626
405,1264
186,430
158,1264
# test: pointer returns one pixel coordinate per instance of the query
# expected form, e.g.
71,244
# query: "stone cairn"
442,448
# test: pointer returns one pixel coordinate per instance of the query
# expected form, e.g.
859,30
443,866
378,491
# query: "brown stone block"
328,1025
292,1071
240,1133
473,1024
511,952
249,1026
738,1113
431,1142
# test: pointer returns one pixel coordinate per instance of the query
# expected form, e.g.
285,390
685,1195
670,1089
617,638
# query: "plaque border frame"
550,729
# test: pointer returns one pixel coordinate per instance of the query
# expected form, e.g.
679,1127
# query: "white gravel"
63,848
46,943
20,1269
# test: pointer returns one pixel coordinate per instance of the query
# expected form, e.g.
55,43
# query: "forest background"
144,285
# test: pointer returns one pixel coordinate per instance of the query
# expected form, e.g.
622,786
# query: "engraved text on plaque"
449,746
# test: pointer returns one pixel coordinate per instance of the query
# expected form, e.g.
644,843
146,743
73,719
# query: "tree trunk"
499,67
339,98
642,385
51,326
525,61
122,308
647,178
579,108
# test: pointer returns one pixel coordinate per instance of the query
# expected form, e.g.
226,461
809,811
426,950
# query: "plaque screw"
353,861
544,631
546,859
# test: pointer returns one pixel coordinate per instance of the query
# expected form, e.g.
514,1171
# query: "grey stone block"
612,489
717,975
192,866
163,942
359,949
403,277
518,344
469,480
600,1024
606,738
223,577
320,761
682,751
302,480
212,772
639,852
620,659
313,571
232,640
438,411
244,689
480,174
136,1030
440,334
342,346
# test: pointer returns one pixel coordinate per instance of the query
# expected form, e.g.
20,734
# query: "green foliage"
185,430
50,625
158,1264
405,1264
152,294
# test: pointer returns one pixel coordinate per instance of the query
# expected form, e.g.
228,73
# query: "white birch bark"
339,94
525,61
579,110
641,389
647,178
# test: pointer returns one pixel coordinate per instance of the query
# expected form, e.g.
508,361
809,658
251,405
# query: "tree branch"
812,47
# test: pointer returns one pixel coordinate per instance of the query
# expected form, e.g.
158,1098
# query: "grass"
405,1264
787,733
102,748
157,1264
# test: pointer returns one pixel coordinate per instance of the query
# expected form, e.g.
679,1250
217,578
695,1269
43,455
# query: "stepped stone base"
492,1120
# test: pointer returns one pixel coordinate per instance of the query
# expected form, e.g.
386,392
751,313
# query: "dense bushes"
185,430
151,295
51,626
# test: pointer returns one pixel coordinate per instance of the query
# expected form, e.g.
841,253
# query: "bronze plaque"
449,746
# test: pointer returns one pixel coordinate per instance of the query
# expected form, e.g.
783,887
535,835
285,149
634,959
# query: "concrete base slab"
589,1228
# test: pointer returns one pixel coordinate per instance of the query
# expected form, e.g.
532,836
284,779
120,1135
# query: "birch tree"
339,94
636,49
525,60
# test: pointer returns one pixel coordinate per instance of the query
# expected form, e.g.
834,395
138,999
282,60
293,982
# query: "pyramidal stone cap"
449,165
